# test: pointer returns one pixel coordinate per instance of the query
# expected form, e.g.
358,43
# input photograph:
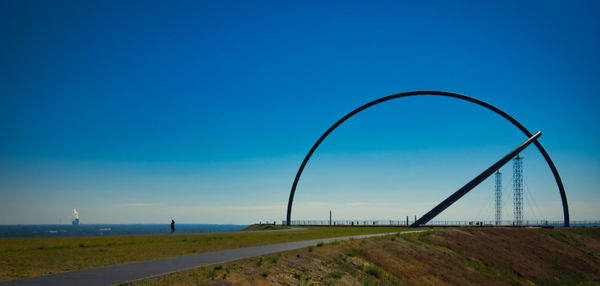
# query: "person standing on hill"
172,226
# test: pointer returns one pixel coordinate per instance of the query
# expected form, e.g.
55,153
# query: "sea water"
56,230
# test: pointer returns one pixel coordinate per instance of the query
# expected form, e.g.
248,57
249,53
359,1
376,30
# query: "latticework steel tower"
498,201
518,189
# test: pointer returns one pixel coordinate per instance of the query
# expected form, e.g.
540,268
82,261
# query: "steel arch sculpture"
561,188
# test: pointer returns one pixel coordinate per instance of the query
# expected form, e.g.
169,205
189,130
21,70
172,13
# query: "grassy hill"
26,257
498,256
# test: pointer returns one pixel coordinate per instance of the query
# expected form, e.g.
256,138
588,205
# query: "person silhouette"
172,226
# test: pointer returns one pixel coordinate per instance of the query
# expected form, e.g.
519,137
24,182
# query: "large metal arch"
561,188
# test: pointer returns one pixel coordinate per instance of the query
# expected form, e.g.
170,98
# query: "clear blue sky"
142,111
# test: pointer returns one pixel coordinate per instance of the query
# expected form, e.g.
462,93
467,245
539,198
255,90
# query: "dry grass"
25,257
450,257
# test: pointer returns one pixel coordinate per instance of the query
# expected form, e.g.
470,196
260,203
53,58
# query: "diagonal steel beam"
473,183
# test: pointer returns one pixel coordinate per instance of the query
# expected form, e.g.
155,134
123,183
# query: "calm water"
54,230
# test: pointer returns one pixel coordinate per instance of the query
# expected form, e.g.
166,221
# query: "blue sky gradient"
142,111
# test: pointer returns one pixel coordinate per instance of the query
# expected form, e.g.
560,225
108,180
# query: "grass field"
258,227
25,257
475,256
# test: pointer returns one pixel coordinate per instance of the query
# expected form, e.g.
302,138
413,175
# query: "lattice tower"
518,189
498,193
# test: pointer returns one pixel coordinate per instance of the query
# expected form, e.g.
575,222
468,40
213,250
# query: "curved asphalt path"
129,272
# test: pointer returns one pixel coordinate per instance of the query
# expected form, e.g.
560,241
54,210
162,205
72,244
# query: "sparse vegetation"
448,257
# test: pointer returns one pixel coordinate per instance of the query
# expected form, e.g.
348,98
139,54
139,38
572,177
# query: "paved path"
134,271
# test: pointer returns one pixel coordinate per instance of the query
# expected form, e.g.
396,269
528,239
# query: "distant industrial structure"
498,193
75,217
518,189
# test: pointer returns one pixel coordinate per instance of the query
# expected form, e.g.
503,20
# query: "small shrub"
212,274
320,243
81,244
298,255
374,271
274,259
302,280
370,281
265,273
337,274
218,267
340,258
259,261
335,242
310,248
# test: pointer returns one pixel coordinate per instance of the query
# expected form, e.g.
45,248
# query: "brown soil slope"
447,257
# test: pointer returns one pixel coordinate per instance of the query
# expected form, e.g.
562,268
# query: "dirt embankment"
448,257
